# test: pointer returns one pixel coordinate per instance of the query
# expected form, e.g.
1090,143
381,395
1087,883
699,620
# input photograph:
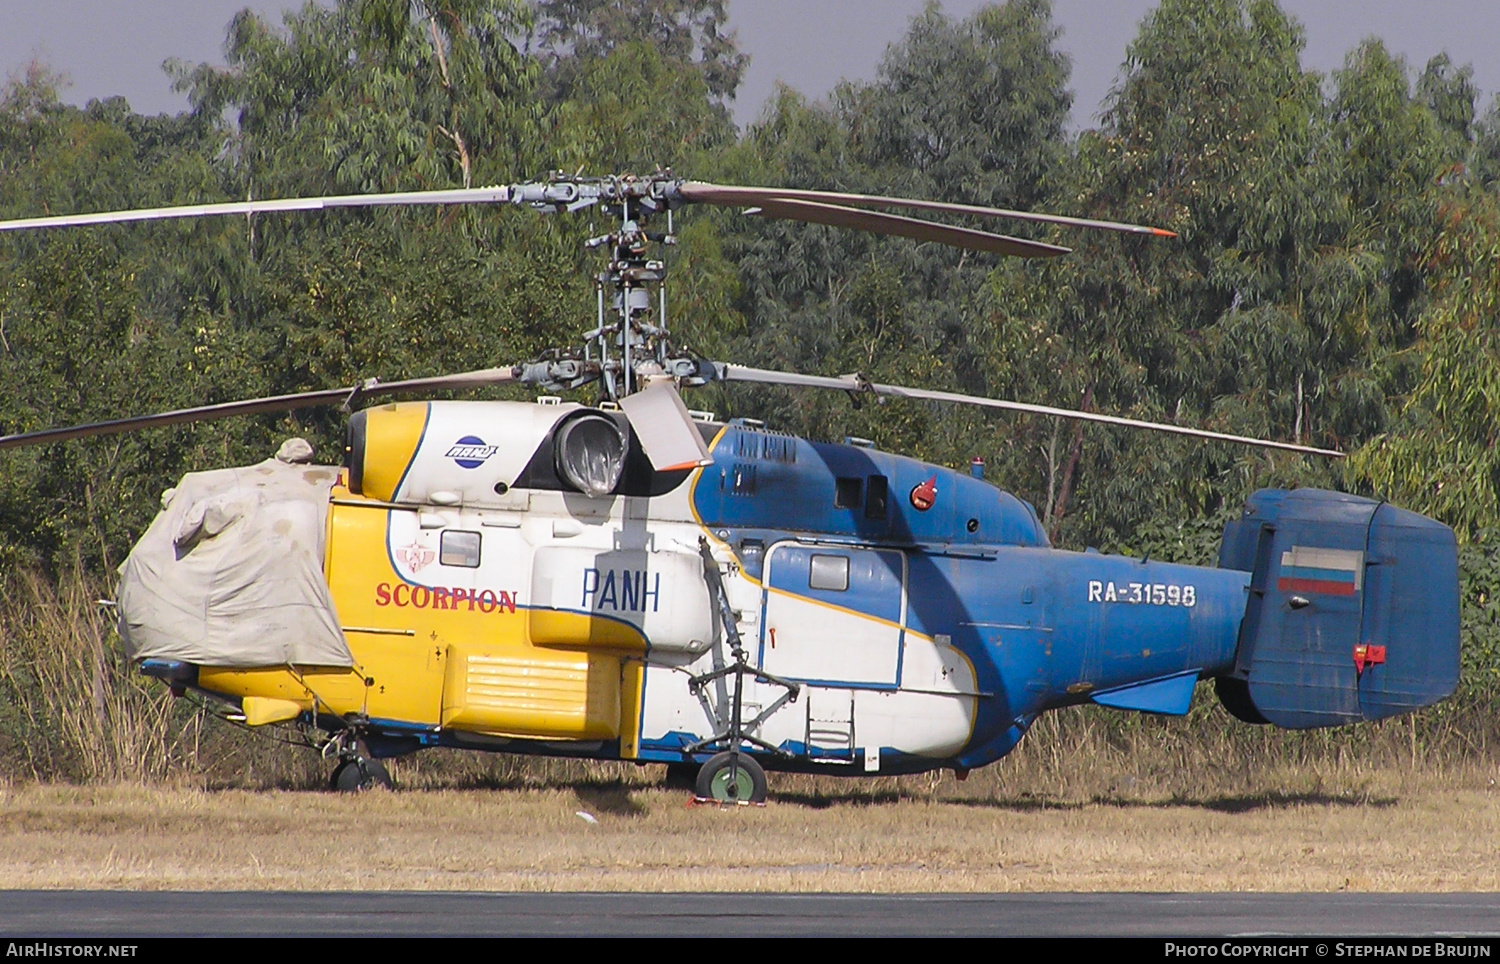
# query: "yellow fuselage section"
453,658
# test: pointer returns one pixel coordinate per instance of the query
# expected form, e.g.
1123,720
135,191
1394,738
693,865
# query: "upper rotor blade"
851,383
879,223
666,430
478,195
721,194
252,406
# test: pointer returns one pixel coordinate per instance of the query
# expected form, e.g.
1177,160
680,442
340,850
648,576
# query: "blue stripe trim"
839,684
403,726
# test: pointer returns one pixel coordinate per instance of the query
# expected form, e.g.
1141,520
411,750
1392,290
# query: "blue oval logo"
470,452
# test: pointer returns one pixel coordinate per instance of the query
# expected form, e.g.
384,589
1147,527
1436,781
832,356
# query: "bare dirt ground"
1387,831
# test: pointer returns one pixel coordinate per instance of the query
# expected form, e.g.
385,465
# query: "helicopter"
635,580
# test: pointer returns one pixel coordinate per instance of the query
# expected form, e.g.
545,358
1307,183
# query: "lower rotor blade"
478,195
203,413
878,223
478,378
853,383
666,430
253,406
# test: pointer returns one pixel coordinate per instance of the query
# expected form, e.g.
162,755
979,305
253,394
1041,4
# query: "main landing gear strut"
732,775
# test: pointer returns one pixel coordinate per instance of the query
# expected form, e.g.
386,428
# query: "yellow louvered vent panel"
549,695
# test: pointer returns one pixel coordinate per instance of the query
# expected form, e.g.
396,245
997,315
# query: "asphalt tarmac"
119,914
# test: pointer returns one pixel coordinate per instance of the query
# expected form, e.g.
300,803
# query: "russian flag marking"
1335,572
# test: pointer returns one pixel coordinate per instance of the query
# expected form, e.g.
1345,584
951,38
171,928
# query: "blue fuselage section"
1041,627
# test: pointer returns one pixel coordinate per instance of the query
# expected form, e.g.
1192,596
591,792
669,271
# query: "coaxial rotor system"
628,352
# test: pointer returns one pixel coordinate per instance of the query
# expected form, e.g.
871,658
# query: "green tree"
1440,456
966,111
217,309
1281,310
1449,93
1213,132
969,111
571,34
94,325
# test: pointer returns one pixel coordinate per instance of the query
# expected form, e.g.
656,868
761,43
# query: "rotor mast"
629,342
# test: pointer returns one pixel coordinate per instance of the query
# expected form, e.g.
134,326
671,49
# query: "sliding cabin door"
834,614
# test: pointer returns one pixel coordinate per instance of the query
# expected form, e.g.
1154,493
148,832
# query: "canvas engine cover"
230,573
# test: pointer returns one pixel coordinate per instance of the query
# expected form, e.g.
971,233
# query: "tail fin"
1353,610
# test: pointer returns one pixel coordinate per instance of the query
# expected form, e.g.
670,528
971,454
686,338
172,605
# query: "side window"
828,572
460,548
846,493
876,497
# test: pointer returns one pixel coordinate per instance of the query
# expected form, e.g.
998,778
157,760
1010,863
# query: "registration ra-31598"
1143,593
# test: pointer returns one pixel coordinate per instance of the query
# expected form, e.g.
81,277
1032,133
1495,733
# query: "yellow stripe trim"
393,433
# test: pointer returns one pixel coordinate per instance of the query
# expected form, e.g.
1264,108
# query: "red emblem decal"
416,556
924,495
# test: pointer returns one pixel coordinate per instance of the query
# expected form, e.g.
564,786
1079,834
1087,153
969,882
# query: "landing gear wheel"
722,780
357,774
345,776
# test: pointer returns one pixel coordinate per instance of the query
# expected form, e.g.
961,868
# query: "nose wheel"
358,773
731,777
357,769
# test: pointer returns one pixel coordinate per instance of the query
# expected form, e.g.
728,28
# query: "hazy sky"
117,46
811,44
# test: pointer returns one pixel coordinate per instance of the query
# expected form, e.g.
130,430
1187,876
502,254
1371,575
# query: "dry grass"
1388,831
67,702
